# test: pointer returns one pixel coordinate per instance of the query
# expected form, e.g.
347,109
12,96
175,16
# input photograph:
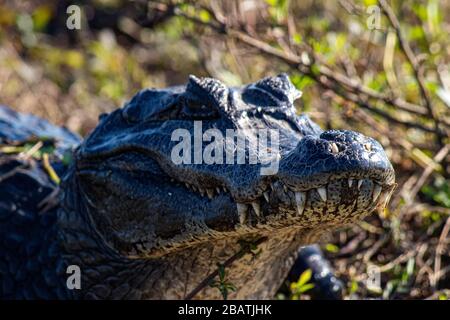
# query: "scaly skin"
141,226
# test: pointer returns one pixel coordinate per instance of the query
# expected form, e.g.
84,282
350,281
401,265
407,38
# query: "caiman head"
189,164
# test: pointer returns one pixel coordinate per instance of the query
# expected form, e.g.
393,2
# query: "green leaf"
301,81
221,271
369,3
420,10
416,33
74,59
41,17
304,277
272,3
305,288
67,158
353,287
230,286
204,16
297,38
331,248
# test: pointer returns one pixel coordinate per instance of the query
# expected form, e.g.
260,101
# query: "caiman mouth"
341,199
219,210
278,200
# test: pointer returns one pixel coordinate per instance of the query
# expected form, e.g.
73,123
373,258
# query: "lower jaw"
311,224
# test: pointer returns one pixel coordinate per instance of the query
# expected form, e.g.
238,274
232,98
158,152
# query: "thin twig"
414,62
29,153
304,64
400,259
438,254
49,169
215,273
439,157
11,173
376,246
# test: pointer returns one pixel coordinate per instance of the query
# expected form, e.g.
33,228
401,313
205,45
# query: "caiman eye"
194,109
271,92
203,98
196,106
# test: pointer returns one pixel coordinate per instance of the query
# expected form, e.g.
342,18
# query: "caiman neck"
105,274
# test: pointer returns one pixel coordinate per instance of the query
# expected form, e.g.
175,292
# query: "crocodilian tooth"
350,182
202,191
376,192
242,212
300,199
384,198
360,181
322,193
218,190
266,195
210,193
256,208
334,148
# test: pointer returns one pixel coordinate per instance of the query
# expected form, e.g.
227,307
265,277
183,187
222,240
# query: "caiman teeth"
334,148
350,182
360,183
210,192
383,198
300,199
376,192
266,195
242,212
256,208
322,193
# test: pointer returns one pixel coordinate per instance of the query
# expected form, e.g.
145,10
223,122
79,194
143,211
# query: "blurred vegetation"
353,76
